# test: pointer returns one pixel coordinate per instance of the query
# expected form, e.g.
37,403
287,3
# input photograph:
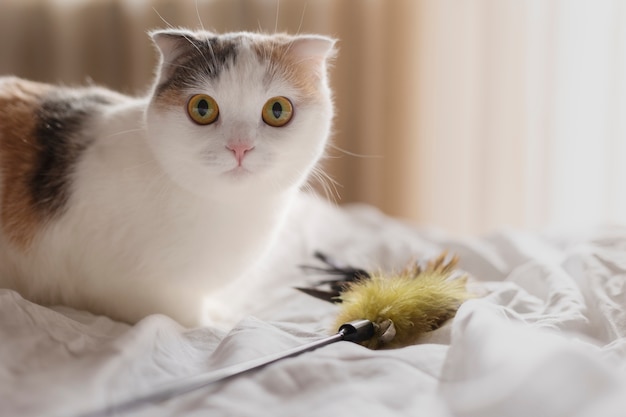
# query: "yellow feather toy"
406,305
402,306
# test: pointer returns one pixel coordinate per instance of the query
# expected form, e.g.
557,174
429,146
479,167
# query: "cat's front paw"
219,313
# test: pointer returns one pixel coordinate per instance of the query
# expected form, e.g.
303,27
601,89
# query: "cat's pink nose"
240,149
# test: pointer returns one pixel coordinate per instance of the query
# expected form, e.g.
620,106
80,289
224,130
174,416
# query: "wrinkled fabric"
543,337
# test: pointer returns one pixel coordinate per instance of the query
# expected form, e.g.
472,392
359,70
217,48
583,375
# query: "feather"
344,276
405,305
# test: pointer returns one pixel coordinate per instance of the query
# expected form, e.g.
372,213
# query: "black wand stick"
355,331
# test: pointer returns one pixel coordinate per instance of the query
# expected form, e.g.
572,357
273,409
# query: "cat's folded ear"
315,51
172,44
315,48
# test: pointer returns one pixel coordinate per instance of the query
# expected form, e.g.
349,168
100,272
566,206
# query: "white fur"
157,221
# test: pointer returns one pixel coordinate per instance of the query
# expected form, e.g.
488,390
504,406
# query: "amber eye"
203,109
277,111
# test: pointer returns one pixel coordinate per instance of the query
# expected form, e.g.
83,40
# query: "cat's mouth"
237,172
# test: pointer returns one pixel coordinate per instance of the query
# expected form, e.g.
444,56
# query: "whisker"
356,155
329,185
328,191
277,14
124,132
141,165
181,66
212,53
302,18
199,18
163,19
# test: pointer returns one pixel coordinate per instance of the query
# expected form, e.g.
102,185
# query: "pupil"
203,107
277,110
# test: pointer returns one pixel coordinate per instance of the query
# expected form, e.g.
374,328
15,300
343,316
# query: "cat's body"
131,206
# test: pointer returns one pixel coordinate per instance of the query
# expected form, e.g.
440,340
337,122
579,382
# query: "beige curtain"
466,115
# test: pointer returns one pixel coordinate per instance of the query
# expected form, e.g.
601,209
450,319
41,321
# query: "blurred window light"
532,95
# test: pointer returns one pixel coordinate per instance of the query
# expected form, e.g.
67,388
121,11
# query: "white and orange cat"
129,206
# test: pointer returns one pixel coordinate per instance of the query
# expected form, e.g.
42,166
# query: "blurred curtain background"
467,115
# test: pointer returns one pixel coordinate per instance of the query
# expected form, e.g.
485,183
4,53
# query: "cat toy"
401,306
376,310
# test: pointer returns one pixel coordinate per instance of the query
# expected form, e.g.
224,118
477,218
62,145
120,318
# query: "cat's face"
239,113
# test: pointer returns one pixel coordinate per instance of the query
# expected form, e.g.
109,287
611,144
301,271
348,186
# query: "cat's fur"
125,207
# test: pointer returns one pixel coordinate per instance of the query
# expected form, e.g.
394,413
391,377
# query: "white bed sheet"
546,337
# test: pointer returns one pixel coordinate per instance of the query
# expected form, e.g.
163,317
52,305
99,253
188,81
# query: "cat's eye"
277,111
203,109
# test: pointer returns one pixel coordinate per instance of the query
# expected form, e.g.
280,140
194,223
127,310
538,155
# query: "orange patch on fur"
170,97
296,70
19,101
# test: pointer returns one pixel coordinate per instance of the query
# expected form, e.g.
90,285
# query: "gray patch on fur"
61,139
202,59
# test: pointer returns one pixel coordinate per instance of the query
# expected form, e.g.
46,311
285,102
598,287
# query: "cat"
130,206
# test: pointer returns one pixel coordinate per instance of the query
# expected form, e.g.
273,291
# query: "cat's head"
239,113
